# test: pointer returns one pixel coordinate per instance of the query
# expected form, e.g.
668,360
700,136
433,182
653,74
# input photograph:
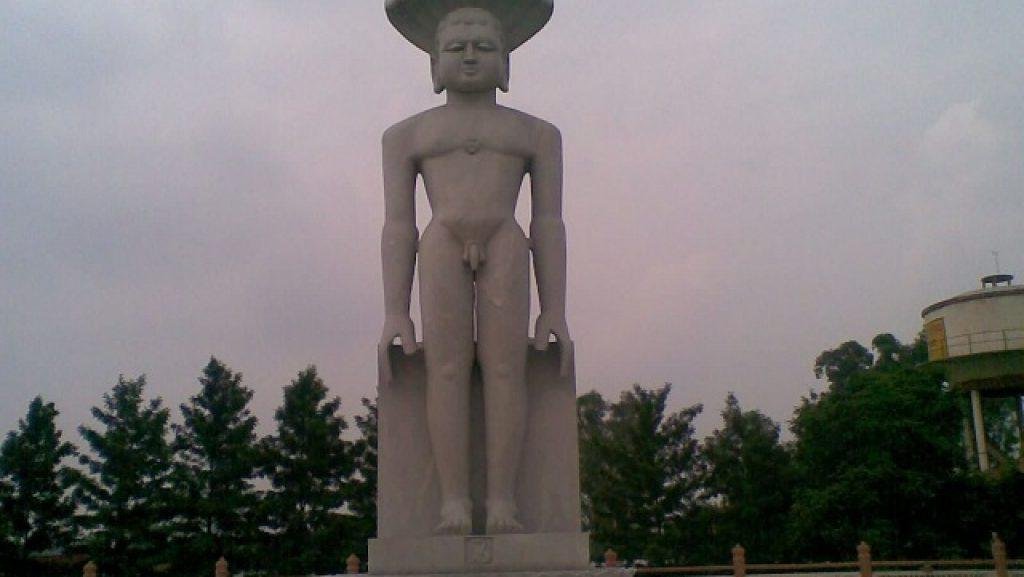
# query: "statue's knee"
503,372
448,372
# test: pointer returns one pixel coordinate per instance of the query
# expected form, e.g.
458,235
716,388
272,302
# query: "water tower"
978,339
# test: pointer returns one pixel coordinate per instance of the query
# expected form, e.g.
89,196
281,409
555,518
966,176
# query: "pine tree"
309,466
125,497
363,488
33,502
215,462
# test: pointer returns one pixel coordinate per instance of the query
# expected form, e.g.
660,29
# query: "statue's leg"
503,317
446,302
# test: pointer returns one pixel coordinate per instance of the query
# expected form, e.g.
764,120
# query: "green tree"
34,505
125,497
893,353
309,466
840,364
8,550
750,478
889,349
874,456
363,488
639,473
591,413
216,462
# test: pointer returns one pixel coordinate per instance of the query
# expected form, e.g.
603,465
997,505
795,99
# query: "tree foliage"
877,456
591,414
34,506
216,461
873,454
363,487
8,549
840,364
749,475
125,495
309,466
639,472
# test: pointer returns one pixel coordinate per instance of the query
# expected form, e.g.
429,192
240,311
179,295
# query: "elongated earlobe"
503,74
434,76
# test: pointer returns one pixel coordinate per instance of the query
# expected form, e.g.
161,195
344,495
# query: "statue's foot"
456,517
501,517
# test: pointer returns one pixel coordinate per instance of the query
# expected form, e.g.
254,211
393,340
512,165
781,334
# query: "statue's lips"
470,70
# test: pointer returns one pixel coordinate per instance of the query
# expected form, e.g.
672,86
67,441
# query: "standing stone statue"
474,259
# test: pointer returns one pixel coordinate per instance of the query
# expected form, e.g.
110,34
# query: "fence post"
739,561
864,559
611,558
89,570
352,564
220,568
999,556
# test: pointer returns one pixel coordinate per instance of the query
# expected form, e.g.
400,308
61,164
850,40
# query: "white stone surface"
590,572
417,19
548,486
476,553
473,258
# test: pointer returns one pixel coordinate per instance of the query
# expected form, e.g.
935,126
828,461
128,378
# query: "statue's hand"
548,325
394,326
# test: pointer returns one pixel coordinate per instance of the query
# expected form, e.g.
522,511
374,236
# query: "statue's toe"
501,518
456,518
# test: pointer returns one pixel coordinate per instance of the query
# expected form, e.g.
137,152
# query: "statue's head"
469,52
469,40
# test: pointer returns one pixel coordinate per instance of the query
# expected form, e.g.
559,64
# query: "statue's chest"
473,138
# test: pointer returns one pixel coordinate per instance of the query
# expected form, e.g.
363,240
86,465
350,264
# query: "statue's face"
470,55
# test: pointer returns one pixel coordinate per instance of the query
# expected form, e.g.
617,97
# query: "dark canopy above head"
417,19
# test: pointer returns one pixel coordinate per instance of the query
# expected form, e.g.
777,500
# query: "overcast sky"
746,185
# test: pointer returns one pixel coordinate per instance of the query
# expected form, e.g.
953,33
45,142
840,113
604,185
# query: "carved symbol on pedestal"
479,550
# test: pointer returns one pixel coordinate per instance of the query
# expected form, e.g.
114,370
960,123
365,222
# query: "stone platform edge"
591,572
541,553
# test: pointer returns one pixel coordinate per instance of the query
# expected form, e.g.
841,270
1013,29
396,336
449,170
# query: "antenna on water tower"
995,255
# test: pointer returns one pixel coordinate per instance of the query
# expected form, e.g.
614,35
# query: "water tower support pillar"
979,430
969,454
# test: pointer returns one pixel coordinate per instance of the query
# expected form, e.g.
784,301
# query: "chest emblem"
472,145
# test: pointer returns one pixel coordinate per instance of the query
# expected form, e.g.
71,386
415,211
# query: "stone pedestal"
479,553
547,491
591,572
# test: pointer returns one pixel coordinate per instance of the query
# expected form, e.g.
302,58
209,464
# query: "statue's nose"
469,56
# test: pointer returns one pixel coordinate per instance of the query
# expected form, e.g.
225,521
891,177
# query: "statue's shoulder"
532,122
538,129
404,132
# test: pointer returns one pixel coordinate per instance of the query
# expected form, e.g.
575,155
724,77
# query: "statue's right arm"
399,237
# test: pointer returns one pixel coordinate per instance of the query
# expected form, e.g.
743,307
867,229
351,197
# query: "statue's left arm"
547,239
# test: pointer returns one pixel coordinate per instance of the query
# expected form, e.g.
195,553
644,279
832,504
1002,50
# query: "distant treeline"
878,457
151,498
